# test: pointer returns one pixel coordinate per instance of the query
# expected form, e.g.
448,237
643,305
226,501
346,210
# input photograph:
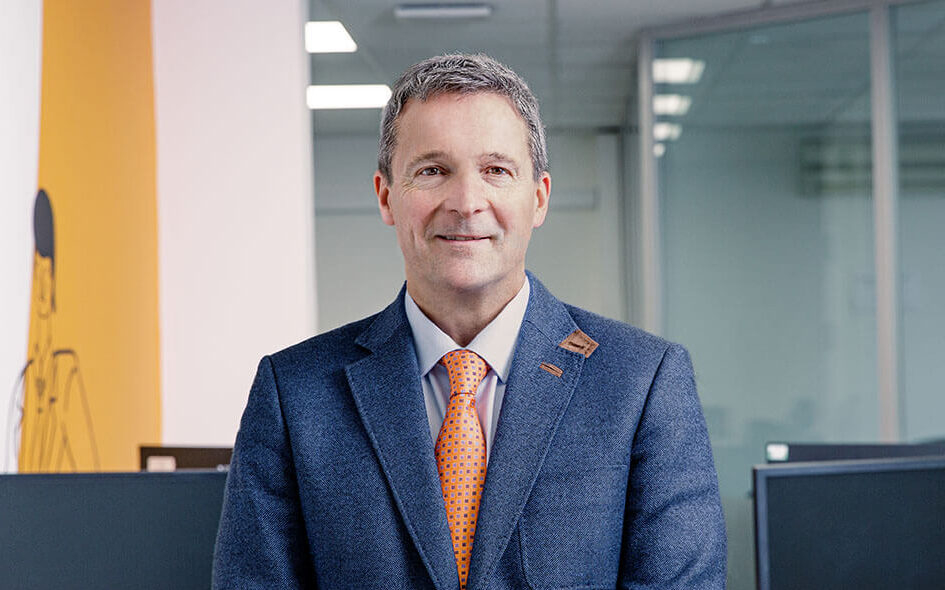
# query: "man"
361,454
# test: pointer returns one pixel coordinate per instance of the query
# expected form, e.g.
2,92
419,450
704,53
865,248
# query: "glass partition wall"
920,84
777,247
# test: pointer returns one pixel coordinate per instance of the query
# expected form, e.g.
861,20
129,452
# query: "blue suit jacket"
599,477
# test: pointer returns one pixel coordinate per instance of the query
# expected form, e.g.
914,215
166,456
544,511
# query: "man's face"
462,196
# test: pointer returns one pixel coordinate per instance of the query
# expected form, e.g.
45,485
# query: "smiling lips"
463,238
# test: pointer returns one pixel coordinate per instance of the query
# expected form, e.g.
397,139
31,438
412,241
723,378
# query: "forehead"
462,123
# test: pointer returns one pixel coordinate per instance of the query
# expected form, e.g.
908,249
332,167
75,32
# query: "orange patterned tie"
461,453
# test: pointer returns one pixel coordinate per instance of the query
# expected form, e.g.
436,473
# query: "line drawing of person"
50,426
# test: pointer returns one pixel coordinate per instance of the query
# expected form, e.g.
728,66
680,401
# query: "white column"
235,203
885,214
21,43
649,222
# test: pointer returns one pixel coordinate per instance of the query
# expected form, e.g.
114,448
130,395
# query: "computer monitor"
162,458
109,530
783,452
867,524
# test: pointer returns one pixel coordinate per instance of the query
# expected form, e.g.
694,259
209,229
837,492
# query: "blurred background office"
765,184
762,181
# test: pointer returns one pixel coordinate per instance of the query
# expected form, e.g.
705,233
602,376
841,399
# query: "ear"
382,188
542,194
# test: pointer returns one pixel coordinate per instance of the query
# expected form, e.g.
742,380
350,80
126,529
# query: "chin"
477,278
471,277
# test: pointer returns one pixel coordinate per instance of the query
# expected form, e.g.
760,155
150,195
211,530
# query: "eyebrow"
441,155
426,156
502,159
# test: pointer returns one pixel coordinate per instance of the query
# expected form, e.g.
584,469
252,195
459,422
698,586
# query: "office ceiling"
579,58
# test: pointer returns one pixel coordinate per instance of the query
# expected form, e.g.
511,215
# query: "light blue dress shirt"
495,344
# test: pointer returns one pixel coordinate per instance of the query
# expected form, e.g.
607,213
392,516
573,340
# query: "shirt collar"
495,343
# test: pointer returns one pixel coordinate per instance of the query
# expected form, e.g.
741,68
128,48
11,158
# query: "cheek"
517,220
420,217
404,237
411,230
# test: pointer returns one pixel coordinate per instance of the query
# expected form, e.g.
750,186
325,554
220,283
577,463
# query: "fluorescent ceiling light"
671,104
347,96
666,131
328,36
442,11
677,71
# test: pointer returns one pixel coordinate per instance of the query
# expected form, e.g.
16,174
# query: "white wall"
235,209
576,253
20,64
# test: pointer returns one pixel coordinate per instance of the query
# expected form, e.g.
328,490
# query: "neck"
463,314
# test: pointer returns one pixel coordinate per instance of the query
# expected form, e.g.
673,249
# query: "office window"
767,242
920,55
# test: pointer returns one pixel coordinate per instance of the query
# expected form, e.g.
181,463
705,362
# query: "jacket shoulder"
617,334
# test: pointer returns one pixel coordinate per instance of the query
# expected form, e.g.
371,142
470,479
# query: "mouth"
461,238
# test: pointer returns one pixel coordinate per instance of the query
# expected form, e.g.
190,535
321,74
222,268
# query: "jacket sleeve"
261,542
674,532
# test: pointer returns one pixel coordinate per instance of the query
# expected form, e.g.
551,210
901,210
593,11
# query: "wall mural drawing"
50,426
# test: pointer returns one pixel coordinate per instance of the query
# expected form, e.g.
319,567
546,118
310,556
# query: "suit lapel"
534,402
389,397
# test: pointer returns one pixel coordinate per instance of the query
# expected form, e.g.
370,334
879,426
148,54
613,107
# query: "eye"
431,171
497,171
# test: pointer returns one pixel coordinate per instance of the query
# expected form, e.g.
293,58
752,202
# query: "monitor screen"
109,530
862,525
780,452
161,458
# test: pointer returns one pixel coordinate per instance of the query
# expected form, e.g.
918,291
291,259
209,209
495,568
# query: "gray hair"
462,74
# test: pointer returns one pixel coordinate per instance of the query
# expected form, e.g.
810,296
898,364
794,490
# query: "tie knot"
466,370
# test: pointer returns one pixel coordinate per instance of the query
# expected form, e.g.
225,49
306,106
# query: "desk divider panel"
109,530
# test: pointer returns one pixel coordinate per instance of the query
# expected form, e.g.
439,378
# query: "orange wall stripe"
91,391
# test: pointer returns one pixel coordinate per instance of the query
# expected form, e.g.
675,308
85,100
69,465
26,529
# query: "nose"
467,194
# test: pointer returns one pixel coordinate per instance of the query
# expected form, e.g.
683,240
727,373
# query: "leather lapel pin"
556,371
579,342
